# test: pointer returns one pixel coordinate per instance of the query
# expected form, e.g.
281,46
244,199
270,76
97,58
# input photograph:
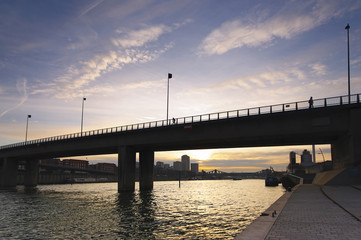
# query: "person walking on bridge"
310,102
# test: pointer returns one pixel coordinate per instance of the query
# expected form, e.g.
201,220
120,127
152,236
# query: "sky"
223,55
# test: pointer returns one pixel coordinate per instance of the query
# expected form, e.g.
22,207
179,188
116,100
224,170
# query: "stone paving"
310,214
351,203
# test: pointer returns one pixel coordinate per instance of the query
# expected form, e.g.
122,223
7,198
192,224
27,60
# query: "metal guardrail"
284,107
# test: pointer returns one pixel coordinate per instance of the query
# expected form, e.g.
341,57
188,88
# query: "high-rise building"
185,163
159,165
292,158
177,166
306,159
195,167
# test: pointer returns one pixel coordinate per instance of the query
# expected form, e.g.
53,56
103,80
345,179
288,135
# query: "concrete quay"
310,212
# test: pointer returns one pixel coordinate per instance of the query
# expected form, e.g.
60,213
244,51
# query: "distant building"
75,163
166,166
306,159
105,167
177,166
292,158
159,164
185,163
195,167
52,161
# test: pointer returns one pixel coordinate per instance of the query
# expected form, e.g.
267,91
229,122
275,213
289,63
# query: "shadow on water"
20,189
31,190
136,211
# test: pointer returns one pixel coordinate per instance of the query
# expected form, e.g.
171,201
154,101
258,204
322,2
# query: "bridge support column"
126,169
8,173
146,169
346,151
31,173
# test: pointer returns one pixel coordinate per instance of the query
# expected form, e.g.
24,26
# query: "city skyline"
222,56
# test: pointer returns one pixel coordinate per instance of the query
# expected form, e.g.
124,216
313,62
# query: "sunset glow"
222,55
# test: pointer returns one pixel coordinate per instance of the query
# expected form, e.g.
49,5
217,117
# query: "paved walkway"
314,212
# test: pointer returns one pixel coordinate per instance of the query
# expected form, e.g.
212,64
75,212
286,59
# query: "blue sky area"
223,55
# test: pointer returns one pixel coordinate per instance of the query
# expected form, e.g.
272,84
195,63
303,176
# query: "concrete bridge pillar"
146,169
8,172
346,151
126,169
31,173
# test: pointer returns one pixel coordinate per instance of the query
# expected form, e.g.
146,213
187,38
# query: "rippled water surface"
217,209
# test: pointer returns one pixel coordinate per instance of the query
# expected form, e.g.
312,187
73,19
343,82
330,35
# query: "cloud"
139,37
130,48
90,7
294,18
356,61
263,80
318,69
21,87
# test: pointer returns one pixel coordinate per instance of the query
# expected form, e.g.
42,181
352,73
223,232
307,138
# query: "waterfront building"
194,167
185,163
159,164
306,158
292,158
106,167
177,166
166,166
75,163
51,161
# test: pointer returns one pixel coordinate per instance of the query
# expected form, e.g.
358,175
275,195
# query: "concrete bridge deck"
333,121
311,212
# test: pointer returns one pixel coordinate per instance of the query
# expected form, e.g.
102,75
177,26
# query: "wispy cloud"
356,61
21,87
263,80
294,18
140,37
318,69
90,7
130,47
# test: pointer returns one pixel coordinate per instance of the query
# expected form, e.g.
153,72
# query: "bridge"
334,120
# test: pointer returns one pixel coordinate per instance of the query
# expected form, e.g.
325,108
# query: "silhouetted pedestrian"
310,102
173,120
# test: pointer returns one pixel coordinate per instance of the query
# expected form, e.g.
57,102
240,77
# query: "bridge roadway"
332,121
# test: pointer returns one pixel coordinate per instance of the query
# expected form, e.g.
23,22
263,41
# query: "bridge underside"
338,126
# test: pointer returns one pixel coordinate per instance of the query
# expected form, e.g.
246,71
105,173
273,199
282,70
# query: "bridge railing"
284,107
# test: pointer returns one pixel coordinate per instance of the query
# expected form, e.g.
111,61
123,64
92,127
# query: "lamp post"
169,77
27,125
82,116
348,62
322,154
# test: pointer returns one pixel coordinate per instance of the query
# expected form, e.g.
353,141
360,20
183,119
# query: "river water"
215,209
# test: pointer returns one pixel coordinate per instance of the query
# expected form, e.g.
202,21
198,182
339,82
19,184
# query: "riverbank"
310,212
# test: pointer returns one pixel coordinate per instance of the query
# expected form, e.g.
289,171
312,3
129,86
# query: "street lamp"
82,116
322,154
27,125
169,77
348,62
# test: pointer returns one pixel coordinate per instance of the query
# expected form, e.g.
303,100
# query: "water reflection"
136,211
197,210
31,190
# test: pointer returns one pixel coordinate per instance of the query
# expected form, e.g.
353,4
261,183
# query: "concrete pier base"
146,168
126,169
32,173
8,173
346,151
